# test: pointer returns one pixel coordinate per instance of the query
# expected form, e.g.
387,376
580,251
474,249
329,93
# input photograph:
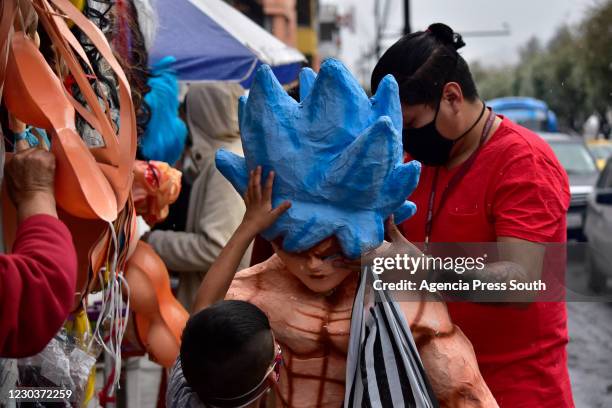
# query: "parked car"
531,113
582,171
601,149
598,230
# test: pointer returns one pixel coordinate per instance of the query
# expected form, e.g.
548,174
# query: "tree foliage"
596,34
572,73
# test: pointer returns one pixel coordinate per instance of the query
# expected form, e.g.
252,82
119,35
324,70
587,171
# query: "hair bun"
446,35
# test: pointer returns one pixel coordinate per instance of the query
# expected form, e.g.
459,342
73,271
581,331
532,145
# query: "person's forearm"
494,273
38,204
37,286
217,281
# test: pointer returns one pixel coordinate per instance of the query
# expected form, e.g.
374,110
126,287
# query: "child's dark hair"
423,62
226,349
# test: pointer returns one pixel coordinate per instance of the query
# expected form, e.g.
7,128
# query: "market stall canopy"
212,41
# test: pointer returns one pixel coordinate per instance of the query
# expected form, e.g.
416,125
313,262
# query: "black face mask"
428,146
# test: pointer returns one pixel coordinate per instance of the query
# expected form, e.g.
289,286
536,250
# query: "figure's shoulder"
267,285
264,270
257,279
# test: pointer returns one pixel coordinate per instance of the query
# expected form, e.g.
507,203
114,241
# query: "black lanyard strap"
454,181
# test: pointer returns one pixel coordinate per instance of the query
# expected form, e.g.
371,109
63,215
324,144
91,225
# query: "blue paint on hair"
346,174
165,135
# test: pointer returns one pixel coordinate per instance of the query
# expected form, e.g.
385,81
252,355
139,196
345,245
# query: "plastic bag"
65,363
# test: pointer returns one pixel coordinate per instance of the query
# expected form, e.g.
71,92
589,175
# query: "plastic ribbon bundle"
84,101
112,321
92,185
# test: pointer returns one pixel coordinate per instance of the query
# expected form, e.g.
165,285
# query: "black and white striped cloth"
383,367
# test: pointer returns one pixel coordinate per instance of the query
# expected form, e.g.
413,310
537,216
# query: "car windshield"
602,151
531,119
574,157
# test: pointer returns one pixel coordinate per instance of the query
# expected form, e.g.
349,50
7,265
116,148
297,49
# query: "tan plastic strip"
76,46
6,29
99,40
127,130
104,127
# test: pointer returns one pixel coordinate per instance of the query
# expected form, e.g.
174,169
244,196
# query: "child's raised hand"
259,216
259,212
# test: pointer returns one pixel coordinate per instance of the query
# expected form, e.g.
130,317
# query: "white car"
598,231
582,172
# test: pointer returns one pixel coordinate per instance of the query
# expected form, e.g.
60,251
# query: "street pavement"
590,346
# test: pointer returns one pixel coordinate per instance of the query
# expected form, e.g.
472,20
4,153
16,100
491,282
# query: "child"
228,354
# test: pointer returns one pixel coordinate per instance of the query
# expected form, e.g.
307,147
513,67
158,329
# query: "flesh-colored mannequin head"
314,267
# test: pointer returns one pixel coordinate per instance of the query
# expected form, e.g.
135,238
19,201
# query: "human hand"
259,213
30,178
397,244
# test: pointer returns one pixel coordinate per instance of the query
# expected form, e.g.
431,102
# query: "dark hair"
423,62
129,48
226,349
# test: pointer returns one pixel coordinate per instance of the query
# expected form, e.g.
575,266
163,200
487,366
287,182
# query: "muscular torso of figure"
313,331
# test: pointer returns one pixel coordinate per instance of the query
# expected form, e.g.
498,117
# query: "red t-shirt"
515,188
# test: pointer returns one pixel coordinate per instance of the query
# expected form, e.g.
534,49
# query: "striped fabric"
383,367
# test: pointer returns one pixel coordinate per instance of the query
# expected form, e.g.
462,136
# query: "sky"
525,18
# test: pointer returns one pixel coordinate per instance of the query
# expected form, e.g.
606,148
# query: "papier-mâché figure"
337,157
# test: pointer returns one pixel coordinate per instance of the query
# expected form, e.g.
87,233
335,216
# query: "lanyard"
454,181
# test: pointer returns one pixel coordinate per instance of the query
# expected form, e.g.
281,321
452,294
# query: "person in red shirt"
486,179
38,280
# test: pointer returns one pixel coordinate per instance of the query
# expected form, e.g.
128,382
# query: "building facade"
308,31
294,22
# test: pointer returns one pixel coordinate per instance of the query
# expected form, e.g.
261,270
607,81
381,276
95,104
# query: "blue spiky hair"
337,156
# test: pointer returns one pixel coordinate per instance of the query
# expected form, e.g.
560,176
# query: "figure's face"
314,268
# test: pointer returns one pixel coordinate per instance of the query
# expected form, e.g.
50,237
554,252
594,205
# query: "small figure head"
228,354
